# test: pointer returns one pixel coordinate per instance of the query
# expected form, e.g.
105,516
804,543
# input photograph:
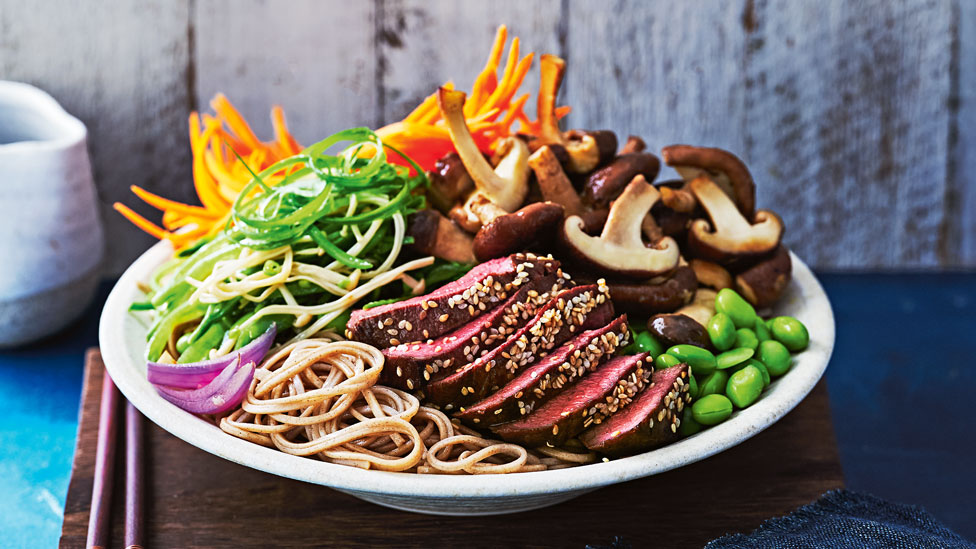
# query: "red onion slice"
226,391
193,375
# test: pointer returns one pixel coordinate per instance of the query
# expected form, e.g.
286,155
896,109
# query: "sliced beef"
652,420
450,306
410,365
589,401
570,312
548,377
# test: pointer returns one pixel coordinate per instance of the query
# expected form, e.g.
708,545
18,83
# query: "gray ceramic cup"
51,243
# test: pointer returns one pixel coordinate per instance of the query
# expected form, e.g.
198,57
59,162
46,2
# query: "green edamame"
762,332
775,356
692,387
701,360
713,383
711,409
759,366
665,361
746,338
744,386
647,343
721,331
688,424
732,358
741,312
790,332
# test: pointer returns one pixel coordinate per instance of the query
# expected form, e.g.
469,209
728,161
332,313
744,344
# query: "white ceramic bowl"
122,339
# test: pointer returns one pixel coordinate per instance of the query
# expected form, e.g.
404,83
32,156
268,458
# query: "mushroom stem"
721,209
553,183
623,225
451,103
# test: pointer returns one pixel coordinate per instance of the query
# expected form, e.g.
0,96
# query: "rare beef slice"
590,401
650,421
570,312
549,376
445,309
411,365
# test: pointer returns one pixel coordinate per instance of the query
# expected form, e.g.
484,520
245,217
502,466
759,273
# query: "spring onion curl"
326,234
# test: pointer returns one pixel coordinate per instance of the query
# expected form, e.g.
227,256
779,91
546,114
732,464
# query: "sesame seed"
410,384
443,318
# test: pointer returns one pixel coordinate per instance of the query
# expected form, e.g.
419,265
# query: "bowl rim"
781,397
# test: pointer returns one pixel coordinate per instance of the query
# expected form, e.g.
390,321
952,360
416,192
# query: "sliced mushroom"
763,283
531,228
678,329
553,183
619,250
678,200
435,235
498,191
721,166
449,182
654,296
729,236
711,274
702,308
605,184
634,144
585,149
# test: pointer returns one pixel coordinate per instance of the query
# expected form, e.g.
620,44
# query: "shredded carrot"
219,176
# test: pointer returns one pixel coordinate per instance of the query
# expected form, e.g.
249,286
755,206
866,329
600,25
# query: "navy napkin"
843,519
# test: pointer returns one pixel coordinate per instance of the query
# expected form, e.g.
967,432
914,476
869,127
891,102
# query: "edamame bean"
744,386
759,366
762,332
692,387
741,312
713,383
701,360
647,343
711,409
688,424
790,332
732,358
746,339
721,331
775,356
665,361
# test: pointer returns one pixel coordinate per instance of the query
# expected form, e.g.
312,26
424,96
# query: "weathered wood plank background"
858,119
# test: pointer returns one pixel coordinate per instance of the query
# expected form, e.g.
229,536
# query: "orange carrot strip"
513,59
430,102
513,110
140,221
226,111
486,81
166,204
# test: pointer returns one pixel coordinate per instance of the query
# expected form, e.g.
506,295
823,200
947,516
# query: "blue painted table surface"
900,385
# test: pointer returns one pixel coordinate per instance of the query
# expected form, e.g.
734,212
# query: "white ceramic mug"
50,235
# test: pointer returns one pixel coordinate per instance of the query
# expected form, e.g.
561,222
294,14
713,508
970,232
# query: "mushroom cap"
678,329
651,297
763,283
533,225
723,167
434,234
606,184
619,250
711,274
729,236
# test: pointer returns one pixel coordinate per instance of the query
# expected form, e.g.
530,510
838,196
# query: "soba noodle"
319,397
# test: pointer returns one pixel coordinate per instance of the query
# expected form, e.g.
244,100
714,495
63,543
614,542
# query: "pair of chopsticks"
99,521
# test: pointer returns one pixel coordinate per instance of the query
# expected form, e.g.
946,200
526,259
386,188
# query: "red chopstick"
133,477
99,524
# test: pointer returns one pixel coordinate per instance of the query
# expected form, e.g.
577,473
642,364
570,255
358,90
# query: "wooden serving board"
195,499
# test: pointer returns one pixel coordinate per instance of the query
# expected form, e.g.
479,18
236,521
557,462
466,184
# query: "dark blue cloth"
843,519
